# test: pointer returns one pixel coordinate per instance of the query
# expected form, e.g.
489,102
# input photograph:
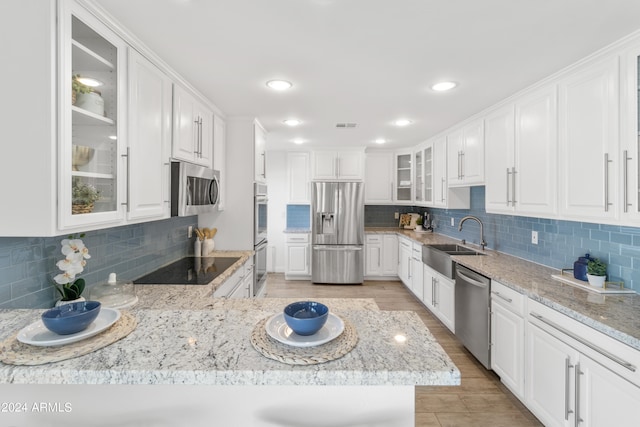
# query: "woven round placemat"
13,352
276,350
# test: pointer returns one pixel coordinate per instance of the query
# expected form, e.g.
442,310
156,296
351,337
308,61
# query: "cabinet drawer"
229,285
512,300
373,238
298,238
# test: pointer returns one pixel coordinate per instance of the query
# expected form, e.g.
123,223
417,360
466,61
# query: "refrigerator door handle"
337,248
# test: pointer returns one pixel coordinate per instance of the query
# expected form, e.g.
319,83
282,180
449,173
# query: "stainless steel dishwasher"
472,313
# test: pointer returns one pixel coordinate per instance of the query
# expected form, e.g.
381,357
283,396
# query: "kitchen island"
211,349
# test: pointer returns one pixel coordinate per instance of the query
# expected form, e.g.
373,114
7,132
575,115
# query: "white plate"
38,334
278,329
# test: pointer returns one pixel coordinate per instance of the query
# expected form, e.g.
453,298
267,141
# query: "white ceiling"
369,61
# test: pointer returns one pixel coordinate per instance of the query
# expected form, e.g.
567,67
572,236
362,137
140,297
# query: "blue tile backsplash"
560,243
298,216
28,264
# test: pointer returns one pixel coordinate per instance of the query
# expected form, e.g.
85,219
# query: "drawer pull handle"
603,352
502,296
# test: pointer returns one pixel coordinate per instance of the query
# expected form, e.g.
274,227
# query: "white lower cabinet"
404,260
507,337
239,285
417,270
298,250
576,376
381,260
438,294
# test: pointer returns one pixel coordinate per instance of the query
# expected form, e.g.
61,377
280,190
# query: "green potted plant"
83,196
596,272
77,87
419,223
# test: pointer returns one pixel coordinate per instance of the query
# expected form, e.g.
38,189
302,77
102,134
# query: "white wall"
277,211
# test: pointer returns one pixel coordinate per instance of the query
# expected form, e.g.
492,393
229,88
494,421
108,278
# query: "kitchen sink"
438,257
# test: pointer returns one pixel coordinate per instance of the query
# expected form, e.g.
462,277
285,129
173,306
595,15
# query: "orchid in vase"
76,254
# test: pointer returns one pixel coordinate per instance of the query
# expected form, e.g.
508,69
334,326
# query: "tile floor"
480,401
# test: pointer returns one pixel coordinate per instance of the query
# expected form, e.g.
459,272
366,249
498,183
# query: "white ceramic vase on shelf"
60,302
596,281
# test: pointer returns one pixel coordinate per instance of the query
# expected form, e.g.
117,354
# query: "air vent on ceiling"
346,125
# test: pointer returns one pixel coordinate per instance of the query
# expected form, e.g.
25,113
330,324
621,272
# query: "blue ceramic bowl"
306,317
71,318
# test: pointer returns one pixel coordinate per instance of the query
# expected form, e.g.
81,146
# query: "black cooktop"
188,271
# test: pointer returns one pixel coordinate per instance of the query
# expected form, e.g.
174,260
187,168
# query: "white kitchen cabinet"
90,49
239,284
443,195
508,336
298,182
260,153
149,140
417,271
219,157
381,260
428,180
298,251
346,165
404,260
192,128
378,178
465,155
439,296
629,202
588,140
521,149
418,176
390,255
404,173
578,376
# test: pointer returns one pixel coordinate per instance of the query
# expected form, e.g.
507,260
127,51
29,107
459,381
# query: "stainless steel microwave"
194,189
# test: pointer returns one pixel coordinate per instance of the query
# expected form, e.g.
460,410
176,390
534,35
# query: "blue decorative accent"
560,242
298,216
28,264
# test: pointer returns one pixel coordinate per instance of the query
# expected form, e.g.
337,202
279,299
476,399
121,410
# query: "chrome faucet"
482,242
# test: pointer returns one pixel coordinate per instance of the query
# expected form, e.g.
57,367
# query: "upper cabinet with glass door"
92,116
404,187
418,176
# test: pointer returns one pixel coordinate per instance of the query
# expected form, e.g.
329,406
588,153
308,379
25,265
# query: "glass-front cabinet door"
91,158
403,177
418,176
428,173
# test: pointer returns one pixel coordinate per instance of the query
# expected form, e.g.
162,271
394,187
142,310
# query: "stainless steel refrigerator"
337,231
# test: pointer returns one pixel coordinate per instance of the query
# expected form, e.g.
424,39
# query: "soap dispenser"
114,294
580,267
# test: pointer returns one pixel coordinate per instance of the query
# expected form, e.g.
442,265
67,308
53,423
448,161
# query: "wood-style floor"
480,401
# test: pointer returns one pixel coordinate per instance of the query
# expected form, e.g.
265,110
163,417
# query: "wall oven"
194,189
260,238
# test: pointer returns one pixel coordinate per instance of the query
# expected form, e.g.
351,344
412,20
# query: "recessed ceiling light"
292,122
279,84
113,137
402,122
299,141
443,86
380,141
88,81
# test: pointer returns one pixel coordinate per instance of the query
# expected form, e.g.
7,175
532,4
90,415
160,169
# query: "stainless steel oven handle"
581,340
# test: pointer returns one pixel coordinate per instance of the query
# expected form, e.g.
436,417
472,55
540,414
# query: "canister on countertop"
580,267
114,294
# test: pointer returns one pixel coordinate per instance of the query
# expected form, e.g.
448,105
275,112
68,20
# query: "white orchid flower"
64,278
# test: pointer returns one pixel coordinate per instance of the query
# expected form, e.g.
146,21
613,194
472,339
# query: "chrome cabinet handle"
593,347
462,165
435,292
606,182
501,296
127,202
201,137
513,186
197,135
508,173
442,185
567,366
625,181
577,419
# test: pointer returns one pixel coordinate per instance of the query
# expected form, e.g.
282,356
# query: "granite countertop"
616,315
188,296
213,347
